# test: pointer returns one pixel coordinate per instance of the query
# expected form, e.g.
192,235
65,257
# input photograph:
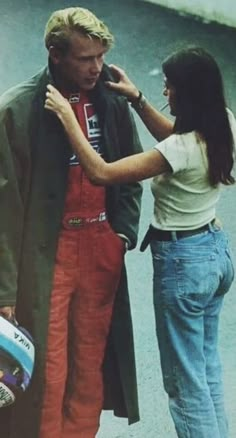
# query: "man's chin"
86,86
90,85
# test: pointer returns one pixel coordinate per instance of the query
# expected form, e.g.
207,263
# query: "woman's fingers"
51,88
54,99
113,85
117,71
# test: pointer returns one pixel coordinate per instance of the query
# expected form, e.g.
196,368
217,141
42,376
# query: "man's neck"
60,81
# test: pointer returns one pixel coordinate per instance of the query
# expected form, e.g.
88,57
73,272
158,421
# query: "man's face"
81,66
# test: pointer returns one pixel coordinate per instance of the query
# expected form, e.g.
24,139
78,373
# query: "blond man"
62,263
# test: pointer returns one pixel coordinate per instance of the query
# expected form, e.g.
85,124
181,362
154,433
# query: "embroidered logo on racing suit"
74,98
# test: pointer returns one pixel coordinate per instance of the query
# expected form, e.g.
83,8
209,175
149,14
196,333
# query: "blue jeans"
191,276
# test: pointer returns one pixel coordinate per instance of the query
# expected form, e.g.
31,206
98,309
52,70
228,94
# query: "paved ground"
145,34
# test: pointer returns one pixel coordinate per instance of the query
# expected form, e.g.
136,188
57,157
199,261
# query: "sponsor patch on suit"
92,123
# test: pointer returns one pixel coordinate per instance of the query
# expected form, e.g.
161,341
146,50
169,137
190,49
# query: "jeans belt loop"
213,225
173,236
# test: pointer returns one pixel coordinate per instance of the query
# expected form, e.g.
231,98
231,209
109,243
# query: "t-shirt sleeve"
175,152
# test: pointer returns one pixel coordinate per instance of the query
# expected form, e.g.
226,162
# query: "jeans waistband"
73,221
167,235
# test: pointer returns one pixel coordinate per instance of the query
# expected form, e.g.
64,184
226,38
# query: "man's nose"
97,65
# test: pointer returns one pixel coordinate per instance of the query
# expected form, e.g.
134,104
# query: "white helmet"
16,360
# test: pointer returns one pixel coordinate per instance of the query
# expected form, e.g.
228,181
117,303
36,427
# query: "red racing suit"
87,272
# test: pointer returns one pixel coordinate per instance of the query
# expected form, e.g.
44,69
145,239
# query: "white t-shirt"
184,199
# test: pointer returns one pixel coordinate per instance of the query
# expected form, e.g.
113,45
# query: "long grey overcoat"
34,154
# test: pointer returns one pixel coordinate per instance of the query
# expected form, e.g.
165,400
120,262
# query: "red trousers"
87,273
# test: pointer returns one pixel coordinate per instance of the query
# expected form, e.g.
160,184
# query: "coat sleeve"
11,217
126,219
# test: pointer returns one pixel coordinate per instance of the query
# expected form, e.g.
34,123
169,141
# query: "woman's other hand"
124,84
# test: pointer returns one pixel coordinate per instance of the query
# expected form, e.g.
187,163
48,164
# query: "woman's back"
184,198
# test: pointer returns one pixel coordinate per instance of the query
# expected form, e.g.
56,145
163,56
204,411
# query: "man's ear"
54,55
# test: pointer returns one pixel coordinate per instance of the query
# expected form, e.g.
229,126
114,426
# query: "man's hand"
7,312
124,84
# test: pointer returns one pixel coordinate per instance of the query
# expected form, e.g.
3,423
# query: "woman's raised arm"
133,168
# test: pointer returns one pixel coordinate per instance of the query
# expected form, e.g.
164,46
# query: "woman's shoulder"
185,141
180,150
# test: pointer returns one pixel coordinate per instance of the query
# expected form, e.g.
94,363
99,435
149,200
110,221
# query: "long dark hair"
200,106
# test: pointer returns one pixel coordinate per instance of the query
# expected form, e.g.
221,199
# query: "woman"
191,259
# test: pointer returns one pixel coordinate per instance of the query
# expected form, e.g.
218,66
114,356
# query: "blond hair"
64,22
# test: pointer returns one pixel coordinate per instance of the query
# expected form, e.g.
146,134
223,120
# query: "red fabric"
87,272
86,278
82,196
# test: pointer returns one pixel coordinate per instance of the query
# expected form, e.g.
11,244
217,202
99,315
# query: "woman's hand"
124,84
56,103
8,312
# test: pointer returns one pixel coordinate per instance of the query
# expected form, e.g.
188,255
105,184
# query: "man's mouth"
91,80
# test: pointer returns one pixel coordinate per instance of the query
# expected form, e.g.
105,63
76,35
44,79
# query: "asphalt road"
145,34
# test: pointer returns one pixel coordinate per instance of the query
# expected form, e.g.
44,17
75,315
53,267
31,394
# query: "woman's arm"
133,168
157,124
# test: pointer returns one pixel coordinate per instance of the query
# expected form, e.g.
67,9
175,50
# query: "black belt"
166,235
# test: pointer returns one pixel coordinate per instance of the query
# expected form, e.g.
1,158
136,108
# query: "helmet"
16,360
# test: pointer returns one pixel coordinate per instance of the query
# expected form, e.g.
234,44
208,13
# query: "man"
63,239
